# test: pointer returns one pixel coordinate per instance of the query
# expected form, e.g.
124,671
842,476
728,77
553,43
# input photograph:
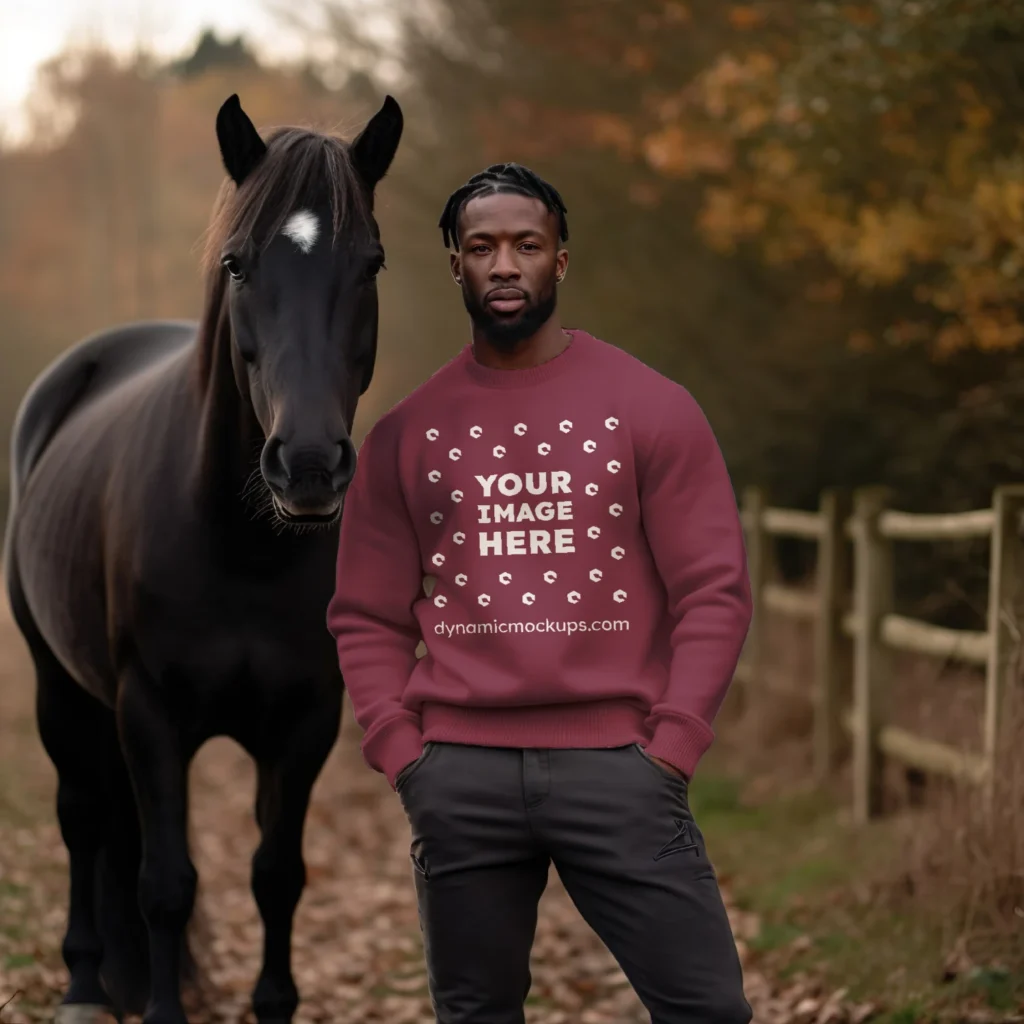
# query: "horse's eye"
233,267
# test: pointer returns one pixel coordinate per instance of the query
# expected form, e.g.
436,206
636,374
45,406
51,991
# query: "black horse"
170,555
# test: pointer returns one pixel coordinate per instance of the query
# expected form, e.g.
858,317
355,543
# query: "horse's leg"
158,761
286,774
79,735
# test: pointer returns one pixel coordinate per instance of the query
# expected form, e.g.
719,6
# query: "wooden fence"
855,628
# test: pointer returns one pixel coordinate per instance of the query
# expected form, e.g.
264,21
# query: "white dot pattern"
545,448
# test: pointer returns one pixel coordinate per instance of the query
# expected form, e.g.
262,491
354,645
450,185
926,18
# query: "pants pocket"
414,766
663,773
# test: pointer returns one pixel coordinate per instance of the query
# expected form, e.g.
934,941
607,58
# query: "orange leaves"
726,218
971,245
999,330
983,300
744,17
752,118
951,338
611,131
919,192
886,241
774,159
999,200
977,117
739,89
984,286
638,58
677,153
859,134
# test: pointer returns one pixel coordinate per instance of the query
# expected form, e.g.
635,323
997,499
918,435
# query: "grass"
819,886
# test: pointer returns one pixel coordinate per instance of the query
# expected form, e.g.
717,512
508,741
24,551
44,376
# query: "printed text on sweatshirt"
590,585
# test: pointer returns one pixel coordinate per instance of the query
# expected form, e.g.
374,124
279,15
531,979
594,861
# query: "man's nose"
504,266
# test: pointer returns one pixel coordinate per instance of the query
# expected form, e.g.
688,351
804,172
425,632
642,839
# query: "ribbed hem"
682,742
528,376
589,724
393,746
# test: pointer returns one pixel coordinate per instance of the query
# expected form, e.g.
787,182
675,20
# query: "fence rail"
856,629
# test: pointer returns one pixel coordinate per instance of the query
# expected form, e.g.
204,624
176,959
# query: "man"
589,603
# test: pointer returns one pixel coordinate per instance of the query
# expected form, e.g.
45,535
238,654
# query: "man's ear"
561,264
455,265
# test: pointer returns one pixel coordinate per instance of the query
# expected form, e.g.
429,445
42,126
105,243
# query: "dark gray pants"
486,823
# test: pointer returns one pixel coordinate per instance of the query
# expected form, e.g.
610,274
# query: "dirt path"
357,957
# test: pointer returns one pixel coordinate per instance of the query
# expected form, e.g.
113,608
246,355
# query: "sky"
32,31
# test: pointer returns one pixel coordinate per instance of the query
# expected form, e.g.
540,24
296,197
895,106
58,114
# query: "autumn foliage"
810,214
874,144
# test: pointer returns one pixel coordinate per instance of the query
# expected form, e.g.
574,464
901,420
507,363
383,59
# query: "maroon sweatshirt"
590,580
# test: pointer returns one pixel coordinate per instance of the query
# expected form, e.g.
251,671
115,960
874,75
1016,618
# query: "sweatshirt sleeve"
693,528
378,579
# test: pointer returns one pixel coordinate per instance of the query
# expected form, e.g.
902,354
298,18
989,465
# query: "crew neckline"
493,377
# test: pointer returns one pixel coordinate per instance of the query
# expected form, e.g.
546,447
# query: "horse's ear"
374,148
240,144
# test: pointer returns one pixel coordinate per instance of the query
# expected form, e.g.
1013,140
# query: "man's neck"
551,340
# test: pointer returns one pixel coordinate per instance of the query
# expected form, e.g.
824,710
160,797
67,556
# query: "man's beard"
505,333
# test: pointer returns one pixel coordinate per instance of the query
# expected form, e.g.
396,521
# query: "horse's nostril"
345,464
273,464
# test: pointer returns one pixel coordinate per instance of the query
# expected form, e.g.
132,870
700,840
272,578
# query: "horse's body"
103,514
162,607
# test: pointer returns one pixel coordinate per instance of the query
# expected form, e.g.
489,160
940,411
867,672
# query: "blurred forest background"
811,214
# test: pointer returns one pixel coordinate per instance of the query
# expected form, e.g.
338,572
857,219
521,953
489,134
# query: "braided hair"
508,177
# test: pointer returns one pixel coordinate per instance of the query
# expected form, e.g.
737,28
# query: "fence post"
873,599
755,501
831,645
1006,579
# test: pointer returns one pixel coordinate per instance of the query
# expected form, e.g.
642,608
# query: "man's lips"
506,300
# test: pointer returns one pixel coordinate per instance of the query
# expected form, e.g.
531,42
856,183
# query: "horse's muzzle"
308,484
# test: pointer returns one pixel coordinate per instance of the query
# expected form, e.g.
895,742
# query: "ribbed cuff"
393,746
681,741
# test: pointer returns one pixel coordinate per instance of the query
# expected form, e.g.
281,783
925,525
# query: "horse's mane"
301,168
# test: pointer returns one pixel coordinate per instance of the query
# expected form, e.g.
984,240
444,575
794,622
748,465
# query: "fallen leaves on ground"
357,952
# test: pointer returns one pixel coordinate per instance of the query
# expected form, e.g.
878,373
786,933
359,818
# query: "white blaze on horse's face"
303,229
